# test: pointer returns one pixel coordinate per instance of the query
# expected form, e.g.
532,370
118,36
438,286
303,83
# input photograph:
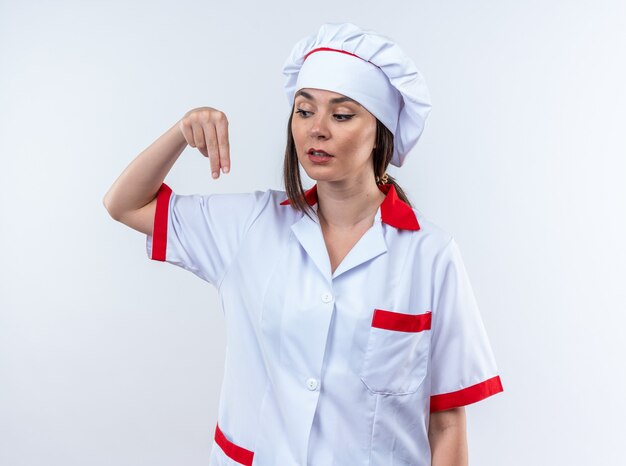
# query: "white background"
109,358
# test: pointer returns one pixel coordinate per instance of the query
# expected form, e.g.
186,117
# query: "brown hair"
291,169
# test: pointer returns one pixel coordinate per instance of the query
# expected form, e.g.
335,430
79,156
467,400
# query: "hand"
206,129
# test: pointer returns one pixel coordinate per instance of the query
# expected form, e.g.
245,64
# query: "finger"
223,143
198,135
211,144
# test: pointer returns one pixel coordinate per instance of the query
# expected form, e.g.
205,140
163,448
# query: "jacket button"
327,297
311,383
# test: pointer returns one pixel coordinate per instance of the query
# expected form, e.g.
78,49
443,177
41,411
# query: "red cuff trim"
234,452
467,395
159,228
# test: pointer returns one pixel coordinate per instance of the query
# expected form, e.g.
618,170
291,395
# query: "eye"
340,117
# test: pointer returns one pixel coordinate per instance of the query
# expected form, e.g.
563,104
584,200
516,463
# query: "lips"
313,150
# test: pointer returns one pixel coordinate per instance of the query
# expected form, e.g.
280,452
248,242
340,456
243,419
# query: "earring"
384,180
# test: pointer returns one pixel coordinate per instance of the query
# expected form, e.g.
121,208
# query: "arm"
132,197
448,437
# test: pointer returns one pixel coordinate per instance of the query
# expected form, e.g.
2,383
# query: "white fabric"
203,234
355,78
308,379
401,101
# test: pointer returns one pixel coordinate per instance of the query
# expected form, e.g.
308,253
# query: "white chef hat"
369,68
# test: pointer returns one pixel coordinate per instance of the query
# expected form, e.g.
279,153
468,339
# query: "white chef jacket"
322,368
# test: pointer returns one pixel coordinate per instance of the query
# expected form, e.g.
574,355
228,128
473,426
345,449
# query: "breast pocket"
396,356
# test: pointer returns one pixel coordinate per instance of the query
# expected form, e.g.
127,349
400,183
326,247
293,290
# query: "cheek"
296,130
370,134
365,138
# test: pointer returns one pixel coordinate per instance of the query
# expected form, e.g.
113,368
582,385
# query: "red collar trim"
393,210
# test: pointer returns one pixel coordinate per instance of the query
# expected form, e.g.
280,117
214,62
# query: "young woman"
354,337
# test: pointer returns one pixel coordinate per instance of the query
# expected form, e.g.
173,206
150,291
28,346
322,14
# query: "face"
331,122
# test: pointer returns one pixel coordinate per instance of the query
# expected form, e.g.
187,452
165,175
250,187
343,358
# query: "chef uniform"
335,368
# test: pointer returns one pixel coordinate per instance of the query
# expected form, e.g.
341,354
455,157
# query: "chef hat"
369,68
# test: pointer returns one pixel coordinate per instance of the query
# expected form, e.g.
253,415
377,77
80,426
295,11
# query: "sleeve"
201,233
463,367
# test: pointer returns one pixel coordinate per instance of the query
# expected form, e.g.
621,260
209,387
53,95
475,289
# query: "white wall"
109,358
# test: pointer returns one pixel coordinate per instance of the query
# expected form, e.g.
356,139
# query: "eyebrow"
336,100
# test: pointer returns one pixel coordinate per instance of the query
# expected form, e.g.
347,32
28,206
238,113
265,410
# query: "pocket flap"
400,322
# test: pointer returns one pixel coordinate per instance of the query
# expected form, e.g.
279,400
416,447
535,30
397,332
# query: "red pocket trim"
398,321
234,452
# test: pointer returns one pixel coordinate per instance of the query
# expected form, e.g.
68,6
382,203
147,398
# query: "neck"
347,206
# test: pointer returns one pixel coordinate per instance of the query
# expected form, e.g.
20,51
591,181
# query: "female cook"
354,337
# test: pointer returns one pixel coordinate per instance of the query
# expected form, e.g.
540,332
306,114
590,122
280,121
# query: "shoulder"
249,200
430,232
441,244
259,200
265,203
235,208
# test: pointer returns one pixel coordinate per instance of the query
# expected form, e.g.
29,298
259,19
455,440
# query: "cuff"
156,244
467,395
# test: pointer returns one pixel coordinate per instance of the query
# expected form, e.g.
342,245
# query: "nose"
319,128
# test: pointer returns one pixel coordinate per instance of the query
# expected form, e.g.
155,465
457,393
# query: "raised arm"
132,197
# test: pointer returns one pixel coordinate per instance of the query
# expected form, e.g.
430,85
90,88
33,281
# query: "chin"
328,178
318,170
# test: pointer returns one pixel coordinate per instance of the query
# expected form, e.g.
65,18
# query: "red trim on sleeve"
159,228
467,395
401,322
234,452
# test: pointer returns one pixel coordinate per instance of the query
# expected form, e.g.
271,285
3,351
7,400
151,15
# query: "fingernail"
225,169
215,174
